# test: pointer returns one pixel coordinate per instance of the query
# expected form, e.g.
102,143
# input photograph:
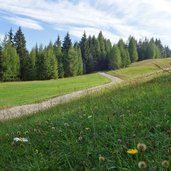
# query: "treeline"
58,60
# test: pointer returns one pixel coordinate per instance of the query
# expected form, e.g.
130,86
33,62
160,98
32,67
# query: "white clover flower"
16,139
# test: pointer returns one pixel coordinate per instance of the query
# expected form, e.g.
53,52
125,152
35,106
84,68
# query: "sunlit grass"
95,132
139,69
19,93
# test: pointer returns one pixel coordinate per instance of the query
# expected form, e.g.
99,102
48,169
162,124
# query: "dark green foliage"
11,37
90,55
67,44
124,53
84,51
71,63
58,54
79,59
20,45
133,53
114,58
1,64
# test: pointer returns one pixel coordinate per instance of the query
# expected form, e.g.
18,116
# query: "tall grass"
94,132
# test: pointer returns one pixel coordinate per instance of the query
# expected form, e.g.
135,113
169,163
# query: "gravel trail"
18,111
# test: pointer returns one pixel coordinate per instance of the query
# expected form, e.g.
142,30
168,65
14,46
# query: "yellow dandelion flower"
132,151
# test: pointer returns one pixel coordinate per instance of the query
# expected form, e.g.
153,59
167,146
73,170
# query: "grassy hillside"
139,69
19,93
94,132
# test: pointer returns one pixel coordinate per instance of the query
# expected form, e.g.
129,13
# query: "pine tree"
11,37
58,54
20,45
95,52
52,62
133,53
1,63
10,63
114,58
124,53
67,44
102,58
71,63
84,51
79,59
31,73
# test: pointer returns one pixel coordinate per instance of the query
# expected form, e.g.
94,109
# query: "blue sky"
44,20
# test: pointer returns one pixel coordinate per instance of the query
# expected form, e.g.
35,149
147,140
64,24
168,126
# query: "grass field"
142,68
94,132
19,93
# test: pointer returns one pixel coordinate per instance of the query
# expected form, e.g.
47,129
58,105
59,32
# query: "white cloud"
2,36
116,18
24,22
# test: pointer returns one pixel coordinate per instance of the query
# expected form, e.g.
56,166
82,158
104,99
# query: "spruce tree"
20,45
59,56
79,59
71,63
67,44
133,53
10,63
114,58
84,51
124,53
11,37
1,63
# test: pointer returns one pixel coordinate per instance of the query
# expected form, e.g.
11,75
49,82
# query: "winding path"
18,111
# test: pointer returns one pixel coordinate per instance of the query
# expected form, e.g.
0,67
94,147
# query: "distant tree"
102,58
67,44
133,53
124,53
9,63
96,54
59,56
84,51
20,45
31,65
1,63
114,58
71,63
79,59
11,37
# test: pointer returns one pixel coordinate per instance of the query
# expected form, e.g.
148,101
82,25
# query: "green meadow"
95,132
140,69
20,93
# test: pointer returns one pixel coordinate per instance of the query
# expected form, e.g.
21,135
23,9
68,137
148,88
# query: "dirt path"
17,111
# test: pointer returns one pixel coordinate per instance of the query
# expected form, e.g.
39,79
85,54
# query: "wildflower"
169,131
80,138
132,151
87,129
165,163
89,116
169,150
66,124
16,139
142,165
141,147
101,158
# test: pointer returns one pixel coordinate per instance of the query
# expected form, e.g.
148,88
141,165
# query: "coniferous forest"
65,59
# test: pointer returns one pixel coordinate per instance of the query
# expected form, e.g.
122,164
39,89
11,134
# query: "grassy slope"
73,135
18,93
141,68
